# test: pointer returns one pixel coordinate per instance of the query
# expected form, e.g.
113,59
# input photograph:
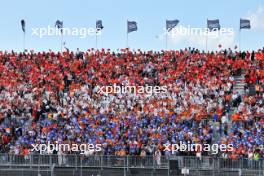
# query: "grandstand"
132,88
211,98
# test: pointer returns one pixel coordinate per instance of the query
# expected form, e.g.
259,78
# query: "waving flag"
245,24
59,25
213,25
99,25
23,25
131,26
170,24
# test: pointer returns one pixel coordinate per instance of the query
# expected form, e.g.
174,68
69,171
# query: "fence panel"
147,162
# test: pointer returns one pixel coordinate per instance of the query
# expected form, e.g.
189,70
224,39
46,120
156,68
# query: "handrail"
109,161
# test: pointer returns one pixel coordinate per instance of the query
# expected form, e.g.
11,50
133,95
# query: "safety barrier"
130,161
122,165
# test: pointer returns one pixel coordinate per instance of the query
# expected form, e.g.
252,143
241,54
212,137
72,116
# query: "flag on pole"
213,25
131,26
59,25
170,24
245,24
99,25
23,25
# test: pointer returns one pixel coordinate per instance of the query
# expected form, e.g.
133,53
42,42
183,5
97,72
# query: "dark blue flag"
99,25
59,25
131,26
245,24
23,25
213,25
170,24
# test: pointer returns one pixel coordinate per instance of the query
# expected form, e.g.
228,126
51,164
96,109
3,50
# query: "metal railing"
129,162
81,165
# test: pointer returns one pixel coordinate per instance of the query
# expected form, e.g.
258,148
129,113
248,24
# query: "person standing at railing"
256,156
199,153
26,153
157,156
143,157
250,157
59,158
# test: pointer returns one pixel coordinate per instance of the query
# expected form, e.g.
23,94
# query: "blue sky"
149,14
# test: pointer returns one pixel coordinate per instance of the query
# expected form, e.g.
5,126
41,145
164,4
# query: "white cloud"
257,18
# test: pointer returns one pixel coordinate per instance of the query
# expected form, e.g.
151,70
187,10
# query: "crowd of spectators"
50,96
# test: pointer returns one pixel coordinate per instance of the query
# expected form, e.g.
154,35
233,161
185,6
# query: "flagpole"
206,41
206,36
23,25
240,48
96,40
61,40
127,41
96,34
166,39
24,41
127,36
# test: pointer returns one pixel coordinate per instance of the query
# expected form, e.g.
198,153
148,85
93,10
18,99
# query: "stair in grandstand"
239,86
252,90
